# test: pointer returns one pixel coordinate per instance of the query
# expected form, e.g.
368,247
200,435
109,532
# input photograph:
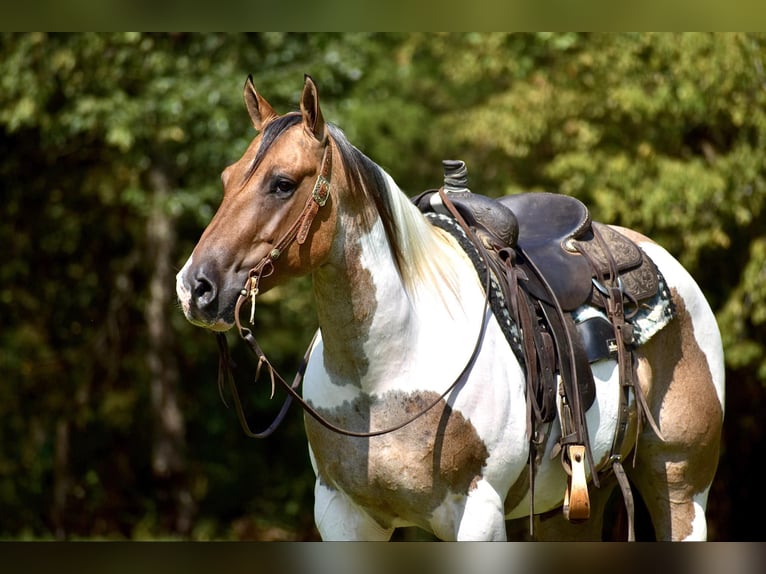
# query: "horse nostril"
203,291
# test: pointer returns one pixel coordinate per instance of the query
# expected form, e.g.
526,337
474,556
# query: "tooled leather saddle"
549,259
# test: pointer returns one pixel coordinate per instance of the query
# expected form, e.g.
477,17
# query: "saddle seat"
555,230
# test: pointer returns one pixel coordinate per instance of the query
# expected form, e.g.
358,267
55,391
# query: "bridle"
298,232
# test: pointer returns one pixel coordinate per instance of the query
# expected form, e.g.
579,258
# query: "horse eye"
283,188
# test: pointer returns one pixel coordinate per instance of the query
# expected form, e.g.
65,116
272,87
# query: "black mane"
366,176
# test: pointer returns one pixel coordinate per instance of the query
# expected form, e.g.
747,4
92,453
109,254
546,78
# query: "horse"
412,364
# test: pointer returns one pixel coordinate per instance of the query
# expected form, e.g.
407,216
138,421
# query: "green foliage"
663,133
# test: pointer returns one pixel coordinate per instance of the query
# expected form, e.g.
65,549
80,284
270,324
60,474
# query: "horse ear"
310,110
261,112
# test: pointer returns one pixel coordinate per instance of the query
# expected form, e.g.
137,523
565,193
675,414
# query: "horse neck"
373,317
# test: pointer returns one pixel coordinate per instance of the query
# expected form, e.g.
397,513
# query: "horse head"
276,219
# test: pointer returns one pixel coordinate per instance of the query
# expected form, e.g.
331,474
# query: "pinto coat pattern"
400,313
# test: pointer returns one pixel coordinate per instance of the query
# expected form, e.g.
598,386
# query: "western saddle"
547,259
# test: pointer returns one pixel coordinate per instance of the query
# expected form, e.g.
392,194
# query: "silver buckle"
321,190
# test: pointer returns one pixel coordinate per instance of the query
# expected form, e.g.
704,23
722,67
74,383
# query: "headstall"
265,268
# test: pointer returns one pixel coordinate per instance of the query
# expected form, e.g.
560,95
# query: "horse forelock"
271,134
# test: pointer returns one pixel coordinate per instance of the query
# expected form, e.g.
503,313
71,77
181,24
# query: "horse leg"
482,515
674,475
677,512
337,518
681,371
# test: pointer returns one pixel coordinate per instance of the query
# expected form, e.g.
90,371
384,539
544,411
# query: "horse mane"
416,246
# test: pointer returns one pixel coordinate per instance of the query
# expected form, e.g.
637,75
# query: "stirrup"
576,499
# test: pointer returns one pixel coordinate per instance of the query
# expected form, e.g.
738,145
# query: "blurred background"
111,146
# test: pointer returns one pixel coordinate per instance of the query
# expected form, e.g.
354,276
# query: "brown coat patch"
404,474
676,377
346,304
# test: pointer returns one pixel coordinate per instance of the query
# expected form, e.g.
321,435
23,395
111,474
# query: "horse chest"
404,473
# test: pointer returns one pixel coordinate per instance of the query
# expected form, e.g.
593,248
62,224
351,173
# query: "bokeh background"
111,146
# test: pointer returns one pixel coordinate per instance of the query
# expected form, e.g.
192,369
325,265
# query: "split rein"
265,268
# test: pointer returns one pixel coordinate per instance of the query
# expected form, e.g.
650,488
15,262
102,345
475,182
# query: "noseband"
265,268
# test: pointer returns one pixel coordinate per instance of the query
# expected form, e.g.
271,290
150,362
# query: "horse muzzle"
205,299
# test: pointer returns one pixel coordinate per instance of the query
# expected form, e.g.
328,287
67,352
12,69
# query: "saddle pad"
650,318
654,313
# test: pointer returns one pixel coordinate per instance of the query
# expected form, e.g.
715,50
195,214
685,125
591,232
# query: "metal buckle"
321,190
604,290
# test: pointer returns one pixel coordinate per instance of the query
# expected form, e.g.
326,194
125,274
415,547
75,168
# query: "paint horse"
406,340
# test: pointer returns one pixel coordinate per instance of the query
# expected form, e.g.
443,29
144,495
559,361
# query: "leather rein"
264,268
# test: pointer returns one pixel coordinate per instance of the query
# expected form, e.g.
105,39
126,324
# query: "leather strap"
627,496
